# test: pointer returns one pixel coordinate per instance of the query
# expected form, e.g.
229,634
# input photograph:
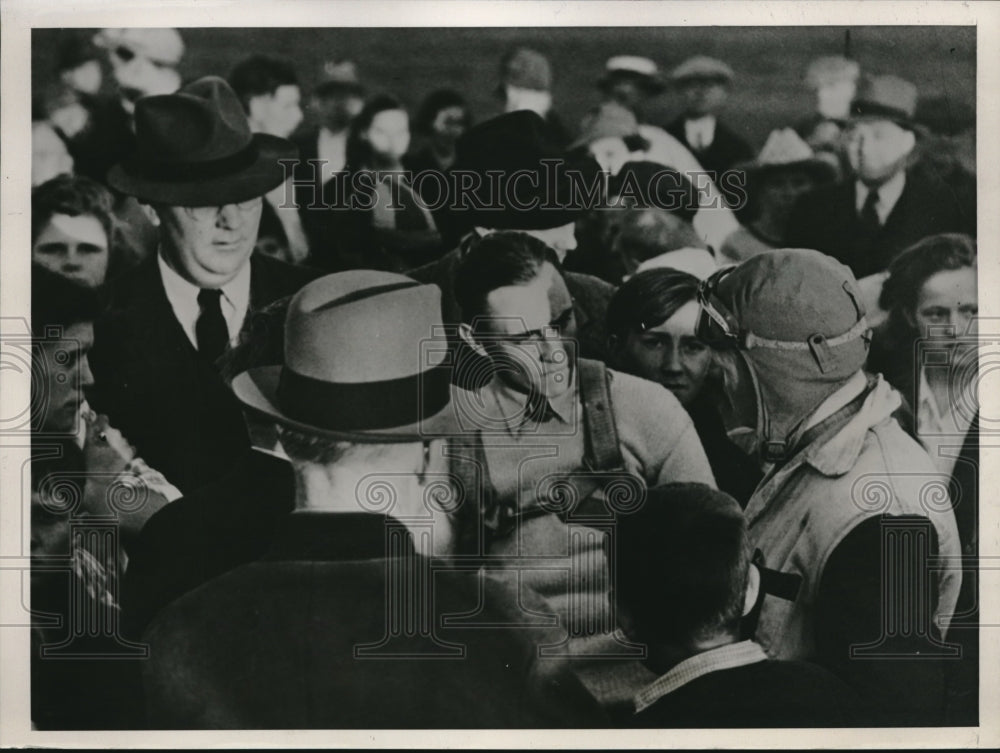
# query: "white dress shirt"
183,297
888,195
331,149
942,430
700,132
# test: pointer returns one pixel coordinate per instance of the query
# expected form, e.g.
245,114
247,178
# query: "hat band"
201,170
364,406
863,107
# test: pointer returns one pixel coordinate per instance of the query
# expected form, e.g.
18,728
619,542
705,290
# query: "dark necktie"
211,330
869,217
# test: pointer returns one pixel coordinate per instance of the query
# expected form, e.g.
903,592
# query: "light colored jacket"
800,513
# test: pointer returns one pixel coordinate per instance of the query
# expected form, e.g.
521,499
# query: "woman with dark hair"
651,321
926,347
927,350
377,220
440,122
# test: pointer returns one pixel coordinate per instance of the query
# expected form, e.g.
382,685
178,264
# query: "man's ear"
469,338
753,589
151,215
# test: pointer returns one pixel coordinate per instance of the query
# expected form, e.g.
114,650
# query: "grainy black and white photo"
500,378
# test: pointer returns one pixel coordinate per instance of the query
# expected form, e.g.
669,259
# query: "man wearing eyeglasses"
200,174
557,445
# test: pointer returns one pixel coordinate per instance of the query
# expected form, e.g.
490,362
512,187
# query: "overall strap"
603,453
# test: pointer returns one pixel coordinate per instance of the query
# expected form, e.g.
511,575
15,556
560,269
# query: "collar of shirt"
183,298
700,132
511,404
888,194
725,657
331,148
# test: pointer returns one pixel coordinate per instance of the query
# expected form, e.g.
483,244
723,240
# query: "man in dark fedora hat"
201,175
882,208
540,192
333,643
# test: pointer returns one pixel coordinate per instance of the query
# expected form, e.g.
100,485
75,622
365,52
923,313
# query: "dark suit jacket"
277,644
827,220
165,398
763,694
204,534
726,149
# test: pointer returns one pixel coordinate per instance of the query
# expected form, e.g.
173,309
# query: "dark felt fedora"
522,180
888,97
195,148
361,363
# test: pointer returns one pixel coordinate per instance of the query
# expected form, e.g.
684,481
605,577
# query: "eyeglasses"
717,327
551,331
204,213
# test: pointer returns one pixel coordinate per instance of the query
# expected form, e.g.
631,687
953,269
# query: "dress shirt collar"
729,656
183,298
510,404
888,195
700,132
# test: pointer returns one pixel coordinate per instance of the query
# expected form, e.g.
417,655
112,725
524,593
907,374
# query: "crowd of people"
511,424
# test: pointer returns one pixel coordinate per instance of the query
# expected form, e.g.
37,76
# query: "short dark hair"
71,195
648,299
913,267
646,233
435,102
358,151
57,301
260,75
496,261
682,564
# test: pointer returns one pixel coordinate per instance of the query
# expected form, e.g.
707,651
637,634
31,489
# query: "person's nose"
552,350
230,217
72,261
86,375
670,363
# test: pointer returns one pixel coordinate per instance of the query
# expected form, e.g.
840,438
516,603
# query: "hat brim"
653,84
257,389
256,179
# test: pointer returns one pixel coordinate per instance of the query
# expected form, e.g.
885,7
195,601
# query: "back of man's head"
681,565
57,301
260,75
495,261
646,233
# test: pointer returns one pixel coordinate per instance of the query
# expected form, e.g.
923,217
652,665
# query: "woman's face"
947,305
671,354
389,134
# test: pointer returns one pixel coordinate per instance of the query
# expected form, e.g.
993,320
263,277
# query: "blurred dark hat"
888,97
524,180
644,184
195,148
74,51
639,69
339,77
